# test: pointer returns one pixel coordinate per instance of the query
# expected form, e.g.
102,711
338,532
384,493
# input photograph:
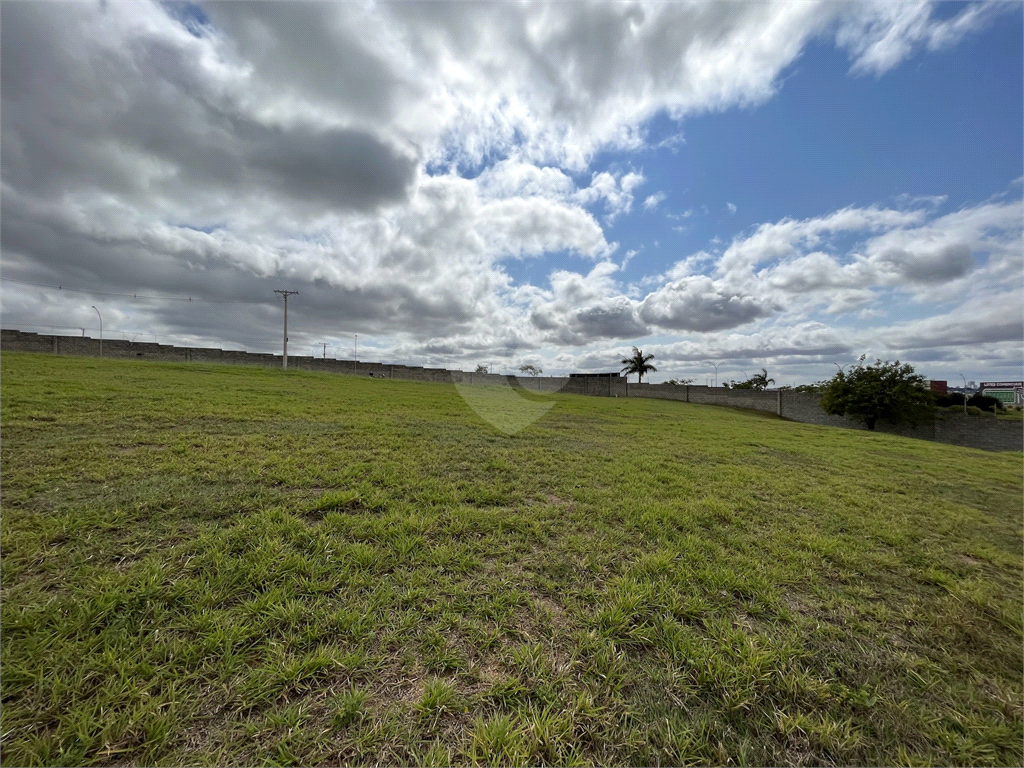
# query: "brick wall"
955,429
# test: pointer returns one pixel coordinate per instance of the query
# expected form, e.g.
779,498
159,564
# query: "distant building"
937,386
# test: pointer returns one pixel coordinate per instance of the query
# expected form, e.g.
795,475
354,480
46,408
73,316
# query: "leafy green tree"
637,363
481,368
531,369
679,382
888,391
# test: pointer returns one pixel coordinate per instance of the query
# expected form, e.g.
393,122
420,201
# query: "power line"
189,299
90,328
61,327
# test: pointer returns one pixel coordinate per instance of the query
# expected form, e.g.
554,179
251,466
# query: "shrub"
953,398
985,403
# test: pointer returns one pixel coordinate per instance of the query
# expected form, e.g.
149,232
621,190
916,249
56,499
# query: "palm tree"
761,380
637,363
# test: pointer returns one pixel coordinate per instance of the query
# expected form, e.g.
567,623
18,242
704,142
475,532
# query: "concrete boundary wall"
953,428
985,433
120,349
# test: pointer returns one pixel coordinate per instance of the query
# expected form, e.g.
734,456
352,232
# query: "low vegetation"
215,565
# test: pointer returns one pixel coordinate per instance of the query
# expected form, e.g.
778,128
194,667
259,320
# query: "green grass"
216,565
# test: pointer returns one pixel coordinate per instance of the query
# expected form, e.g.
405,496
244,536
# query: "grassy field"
214,565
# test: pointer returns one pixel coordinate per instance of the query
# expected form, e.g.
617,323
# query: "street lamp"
837,365
716,370
965,394
101,329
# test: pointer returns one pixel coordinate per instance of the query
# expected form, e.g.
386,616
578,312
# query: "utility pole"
325,349
355,352
286,294
965,394
101,329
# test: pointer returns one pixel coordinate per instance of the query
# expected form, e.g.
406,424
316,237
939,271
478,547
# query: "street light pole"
716,370
284,357
965,394
101,329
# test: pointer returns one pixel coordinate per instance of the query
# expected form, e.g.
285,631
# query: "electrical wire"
108,331
189,299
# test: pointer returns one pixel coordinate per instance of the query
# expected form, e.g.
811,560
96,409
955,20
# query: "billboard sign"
1006,391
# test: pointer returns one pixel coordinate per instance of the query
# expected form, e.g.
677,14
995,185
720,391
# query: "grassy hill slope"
222,565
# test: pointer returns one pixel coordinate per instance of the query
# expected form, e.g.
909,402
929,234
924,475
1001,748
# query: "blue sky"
784,185
828,140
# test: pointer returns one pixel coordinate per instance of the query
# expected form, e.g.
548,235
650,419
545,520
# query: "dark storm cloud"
313,49
56,248
507,344
544,320
698,305
52,250
615,320
794,350
609,322
345,168
930,267
751,352
439,349
564,336
946,331
102,123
